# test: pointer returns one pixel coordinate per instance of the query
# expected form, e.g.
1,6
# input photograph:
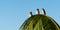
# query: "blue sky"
14,12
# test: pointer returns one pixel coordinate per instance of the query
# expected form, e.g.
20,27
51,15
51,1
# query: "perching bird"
30,14
43,11
37,11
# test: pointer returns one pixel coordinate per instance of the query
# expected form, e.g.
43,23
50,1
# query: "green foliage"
39,22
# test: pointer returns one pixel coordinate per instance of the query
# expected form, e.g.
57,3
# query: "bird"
43,11
30,14
37,11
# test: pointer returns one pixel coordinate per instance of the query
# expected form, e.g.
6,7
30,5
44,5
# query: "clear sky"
14,12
